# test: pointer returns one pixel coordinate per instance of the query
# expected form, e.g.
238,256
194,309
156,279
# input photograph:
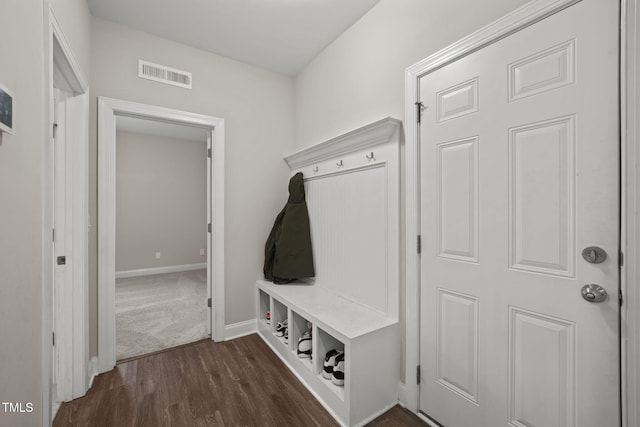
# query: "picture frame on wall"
6,110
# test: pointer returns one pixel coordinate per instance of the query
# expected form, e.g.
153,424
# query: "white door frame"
630,106
72,316
108,109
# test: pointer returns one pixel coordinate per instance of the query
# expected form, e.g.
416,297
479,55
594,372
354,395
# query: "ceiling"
279,35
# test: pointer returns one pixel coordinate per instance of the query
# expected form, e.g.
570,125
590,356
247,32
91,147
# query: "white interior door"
62,274
519,146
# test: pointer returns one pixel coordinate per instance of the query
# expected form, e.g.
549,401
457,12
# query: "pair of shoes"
282,328
304,346
333,368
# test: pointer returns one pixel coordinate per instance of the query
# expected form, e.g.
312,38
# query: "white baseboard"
240,329
402,394
160,270
92,371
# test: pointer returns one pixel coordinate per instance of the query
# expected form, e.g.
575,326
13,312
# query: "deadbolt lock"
594,254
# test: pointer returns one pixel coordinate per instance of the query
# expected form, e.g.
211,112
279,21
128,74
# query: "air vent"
163,74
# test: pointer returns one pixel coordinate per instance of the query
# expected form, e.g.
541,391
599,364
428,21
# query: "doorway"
517,180
109,110
161,236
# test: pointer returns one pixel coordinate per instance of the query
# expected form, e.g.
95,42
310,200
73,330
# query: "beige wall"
161,201
359,78
75,19
21,179
257,106
22,70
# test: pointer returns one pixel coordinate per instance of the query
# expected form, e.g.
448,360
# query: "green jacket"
287,253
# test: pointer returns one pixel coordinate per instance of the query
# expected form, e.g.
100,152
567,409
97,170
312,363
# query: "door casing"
63,71
630,188
108,109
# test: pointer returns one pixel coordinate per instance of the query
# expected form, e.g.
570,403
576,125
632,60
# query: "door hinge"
209,302
53,234
419,109
419,244
209,152
418,374
209,227
620,259
55,130
620,297
53,338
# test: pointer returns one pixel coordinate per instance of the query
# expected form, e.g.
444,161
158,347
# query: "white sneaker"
281,327
304,346
337,377
329,363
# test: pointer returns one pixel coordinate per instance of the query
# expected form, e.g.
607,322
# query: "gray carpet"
160,311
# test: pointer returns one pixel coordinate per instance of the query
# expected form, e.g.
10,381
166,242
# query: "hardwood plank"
234,383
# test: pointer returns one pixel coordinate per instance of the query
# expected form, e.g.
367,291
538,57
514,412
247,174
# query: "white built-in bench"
352,191
370,341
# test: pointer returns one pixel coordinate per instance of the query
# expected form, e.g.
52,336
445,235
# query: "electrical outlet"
201,251
157,255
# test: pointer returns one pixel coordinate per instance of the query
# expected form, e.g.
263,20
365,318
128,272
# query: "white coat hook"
315,170
339,164
370,156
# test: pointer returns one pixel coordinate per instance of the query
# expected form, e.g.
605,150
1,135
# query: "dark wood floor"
235,383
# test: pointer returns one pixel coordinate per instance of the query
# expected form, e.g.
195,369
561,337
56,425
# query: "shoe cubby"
325,343
299,325
369,340
279,314
264,308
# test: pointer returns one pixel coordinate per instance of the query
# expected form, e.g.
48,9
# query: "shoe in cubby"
329,363
337,377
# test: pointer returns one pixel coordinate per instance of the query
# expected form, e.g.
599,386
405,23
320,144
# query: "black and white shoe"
286,335
337,377
281,327
304,346
329,363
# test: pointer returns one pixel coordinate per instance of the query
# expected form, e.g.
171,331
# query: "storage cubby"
298,325
278,315
264,307
327,342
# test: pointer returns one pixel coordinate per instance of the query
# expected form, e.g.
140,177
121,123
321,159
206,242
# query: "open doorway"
109,111
161,236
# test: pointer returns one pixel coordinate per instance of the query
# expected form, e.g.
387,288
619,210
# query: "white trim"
240,329
630,227
92,371
47,223
108,109
518,19
160,270
72,342
370,135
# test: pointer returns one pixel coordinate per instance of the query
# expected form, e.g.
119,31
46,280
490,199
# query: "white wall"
161,201
257,106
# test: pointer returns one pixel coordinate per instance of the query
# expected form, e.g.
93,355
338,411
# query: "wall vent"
160,73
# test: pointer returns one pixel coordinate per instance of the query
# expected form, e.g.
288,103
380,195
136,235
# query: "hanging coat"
287,253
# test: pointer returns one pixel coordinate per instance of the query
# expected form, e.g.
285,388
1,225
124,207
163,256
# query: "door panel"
519,146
